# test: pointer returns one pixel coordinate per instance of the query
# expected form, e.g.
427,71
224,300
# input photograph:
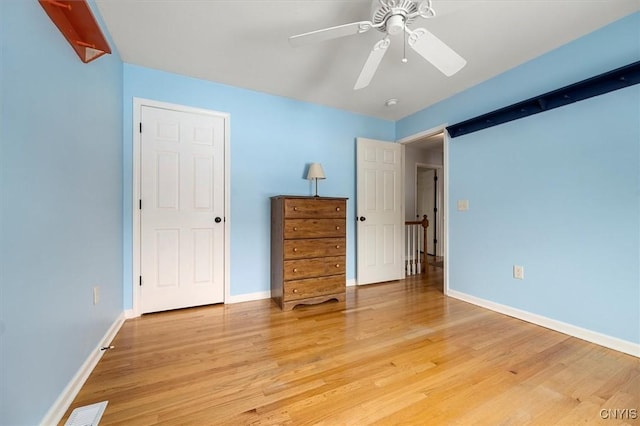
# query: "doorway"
429,202
426,190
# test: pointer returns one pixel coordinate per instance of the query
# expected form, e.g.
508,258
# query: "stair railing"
416,246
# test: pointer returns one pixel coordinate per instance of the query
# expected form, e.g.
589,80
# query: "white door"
182,209
379,211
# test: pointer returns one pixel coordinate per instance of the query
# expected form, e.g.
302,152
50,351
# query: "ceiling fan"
392,17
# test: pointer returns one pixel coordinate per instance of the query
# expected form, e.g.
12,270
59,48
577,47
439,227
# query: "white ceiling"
244,43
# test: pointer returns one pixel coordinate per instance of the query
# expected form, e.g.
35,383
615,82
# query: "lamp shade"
315,172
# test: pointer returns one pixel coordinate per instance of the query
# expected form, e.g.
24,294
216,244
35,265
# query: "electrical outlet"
518,272
96,295
463,205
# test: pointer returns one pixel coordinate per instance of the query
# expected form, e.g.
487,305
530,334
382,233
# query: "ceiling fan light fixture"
389,103
395,24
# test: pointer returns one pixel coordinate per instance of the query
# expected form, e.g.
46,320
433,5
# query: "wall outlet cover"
518,272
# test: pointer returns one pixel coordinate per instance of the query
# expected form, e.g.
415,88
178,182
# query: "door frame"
445,193
136,229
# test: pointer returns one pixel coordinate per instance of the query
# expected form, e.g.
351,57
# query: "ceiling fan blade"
371,65
330,33
435,51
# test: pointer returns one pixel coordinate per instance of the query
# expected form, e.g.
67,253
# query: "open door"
380,211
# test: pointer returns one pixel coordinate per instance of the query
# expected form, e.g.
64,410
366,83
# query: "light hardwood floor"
393,353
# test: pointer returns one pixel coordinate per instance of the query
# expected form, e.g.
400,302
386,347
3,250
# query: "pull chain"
404,45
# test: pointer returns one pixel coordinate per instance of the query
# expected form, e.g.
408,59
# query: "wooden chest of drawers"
308,249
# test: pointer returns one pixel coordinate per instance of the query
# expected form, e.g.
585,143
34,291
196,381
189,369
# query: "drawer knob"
295,209
295,269
337,246
337,228
295,290
337,209
295,228
337,265
295,249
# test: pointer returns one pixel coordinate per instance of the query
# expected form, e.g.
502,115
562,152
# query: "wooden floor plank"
392,353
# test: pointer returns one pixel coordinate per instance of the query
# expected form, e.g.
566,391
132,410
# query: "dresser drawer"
302,289
314,228
316,267
311,208
323,247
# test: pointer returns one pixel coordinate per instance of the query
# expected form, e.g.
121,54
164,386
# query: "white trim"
138,103
60,406
136,225
352,282
403,211
248,297
129,313
445,213
569,329
425,133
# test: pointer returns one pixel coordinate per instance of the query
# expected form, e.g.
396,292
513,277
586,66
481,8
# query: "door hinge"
435,177
139,204
141,127
140,282
435,210
435,241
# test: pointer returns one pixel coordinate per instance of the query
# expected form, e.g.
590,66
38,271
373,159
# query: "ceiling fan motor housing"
392,14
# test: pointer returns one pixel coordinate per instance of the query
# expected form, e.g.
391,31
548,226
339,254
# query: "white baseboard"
569,329
351,282
248,297
130,313
57,410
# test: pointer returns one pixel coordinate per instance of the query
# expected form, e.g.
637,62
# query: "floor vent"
89,415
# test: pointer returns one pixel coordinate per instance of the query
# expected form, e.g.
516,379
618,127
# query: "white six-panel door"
379,210
182,214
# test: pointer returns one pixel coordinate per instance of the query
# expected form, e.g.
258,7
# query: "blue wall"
557,192
61,209
272,140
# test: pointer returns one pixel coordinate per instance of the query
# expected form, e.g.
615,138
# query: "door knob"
362,218
218,219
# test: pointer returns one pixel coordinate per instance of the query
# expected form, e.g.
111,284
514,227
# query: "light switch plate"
463,205
518,272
